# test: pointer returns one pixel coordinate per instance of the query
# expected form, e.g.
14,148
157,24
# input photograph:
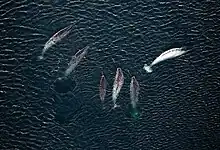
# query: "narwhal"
174,52
75,60
102,88
54,39
117,85
134,91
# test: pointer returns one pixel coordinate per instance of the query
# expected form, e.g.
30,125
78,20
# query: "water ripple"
178,101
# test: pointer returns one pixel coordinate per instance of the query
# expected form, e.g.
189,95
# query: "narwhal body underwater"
75,60
134,91
55,38
102,87
174,52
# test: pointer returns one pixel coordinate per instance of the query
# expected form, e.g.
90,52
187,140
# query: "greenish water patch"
134,111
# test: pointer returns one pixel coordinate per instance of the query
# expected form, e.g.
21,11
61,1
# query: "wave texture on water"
179,100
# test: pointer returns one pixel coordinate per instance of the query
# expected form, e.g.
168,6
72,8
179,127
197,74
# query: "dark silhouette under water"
63,85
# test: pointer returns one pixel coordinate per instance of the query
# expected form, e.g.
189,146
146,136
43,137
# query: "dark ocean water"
179,101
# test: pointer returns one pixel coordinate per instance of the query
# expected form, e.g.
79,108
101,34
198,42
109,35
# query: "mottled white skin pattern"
54,39
75,60
174,52
71,68
134,92
117,86
49,44
102,88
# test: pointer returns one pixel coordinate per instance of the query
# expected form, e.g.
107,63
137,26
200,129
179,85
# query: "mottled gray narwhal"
75,60
54,39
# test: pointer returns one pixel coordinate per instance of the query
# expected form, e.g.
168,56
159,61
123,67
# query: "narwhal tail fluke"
115,106
148,68
133,104
40,57
114,102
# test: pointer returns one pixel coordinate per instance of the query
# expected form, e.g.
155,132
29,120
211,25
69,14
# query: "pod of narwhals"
117,85
57,37
119,77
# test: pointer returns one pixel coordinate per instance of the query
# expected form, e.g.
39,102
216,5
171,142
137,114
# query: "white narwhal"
117,85
174,52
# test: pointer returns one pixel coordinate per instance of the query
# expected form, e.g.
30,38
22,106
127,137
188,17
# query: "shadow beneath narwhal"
64,85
